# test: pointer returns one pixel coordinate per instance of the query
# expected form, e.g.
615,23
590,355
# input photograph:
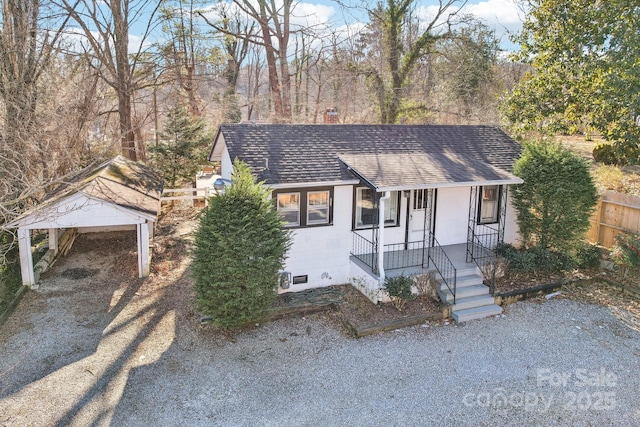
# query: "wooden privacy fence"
614,213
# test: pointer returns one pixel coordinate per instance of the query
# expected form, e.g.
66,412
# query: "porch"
409,258
405,201
463,271
415,257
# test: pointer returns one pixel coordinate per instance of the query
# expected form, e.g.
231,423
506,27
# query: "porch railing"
481,250
443,265
396,255
404,255
364,250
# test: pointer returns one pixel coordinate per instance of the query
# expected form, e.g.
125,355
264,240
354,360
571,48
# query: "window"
318,207
391,209
420,199
289,207
489,204
367,212
305,207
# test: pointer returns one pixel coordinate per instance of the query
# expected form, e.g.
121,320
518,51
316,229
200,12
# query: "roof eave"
509,181
313,184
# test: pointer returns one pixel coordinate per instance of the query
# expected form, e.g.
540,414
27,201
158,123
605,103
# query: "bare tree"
29,37
105,25
185,48
273,18
403,41
59,141
235,32
254,70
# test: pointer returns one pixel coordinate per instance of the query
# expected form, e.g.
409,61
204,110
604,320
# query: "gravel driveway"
110,350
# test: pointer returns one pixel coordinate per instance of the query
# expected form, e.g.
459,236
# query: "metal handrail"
485,257
443,266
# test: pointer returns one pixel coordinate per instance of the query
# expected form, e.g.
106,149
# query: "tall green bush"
239,248
557,198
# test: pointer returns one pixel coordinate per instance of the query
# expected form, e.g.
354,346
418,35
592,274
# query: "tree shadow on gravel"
76,302
148,332
143,330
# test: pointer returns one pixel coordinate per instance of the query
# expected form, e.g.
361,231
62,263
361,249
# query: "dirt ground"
359,311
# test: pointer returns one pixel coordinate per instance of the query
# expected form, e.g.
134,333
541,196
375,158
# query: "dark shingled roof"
420,170
310,153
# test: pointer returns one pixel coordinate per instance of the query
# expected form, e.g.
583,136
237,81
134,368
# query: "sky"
504,16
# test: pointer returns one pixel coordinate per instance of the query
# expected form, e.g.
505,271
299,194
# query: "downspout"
383,199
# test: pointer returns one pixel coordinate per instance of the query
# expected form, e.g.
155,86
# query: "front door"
420,214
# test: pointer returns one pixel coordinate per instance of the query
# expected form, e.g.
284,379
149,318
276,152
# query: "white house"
369,201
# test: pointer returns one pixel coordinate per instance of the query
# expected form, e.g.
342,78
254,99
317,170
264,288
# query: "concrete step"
476,313
467,291
463,282
467,269
472,302
468,280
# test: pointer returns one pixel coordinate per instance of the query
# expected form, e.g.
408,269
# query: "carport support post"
53,240
143,249
26,259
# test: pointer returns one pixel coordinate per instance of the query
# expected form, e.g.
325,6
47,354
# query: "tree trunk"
277,63
123,73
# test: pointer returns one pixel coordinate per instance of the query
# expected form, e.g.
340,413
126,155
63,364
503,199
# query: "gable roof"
119,181
283,154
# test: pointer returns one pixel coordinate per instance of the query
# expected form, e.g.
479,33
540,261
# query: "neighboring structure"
117,195
206,177
367,201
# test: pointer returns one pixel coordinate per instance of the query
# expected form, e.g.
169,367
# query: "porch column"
143,249
383,199
26,259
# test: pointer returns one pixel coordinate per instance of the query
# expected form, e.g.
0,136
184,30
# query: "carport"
116,195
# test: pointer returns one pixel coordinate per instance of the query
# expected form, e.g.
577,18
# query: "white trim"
215,154
288,209
312,184
316,208
44,216
495,209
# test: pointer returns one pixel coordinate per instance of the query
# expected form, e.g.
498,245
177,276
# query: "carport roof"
119,181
